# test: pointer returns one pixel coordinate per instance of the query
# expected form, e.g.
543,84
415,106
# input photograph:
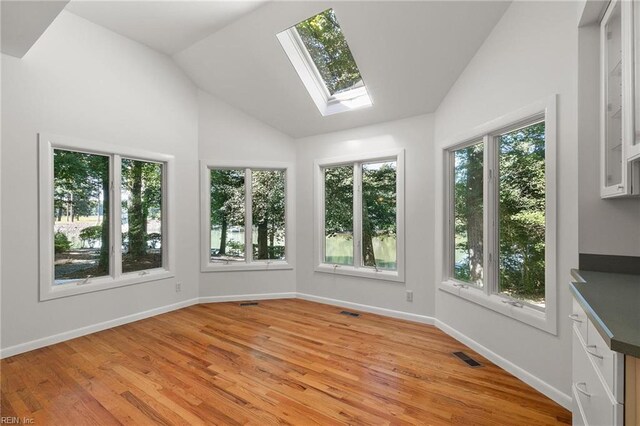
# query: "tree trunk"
103,263
368,255
474,215
137,246
263,240
223,236
272,237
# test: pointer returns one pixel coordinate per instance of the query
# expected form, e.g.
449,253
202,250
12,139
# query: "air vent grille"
467,359
249,304
351,314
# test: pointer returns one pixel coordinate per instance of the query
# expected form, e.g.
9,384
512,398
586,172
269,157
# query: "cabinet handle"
591,353
574,317
584,392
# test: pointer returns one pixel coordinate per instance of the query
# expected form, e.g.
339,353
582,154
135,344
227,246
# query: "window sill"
360,272
241,266
525,314
105,283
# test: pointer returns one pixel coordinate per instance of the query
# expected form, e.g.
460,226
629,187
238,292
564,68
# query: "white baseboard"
244,297
533,381
83,331
368,308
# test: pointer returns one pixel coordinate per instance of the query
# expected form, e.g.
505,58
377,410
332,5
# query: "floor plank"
280,362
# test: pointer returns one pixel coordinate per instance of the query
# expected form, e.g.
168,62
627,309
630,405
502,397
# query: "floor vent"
249,304
351,314
467,359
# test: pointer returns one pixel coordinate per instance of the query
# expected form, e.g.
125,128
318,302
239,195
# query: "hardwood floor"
282,361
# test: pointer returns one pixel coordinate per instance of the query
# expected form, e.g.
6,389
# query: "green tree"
79,179
268,215
468,220
522,212
378,204
378,207
323,38
227,201
142,182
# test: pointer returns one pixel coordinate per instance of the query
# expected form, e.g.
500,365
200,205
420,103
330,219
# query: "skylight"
321,56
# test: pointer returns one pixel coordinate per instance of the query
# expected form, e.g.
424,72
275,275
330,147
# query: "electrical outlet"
409,295
178,287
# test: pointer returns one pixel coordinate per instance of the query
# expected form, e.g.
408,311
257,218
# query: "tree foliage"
227,202
378,205
142,182
468,208
378,208
521,213
268,215
323,38
79,179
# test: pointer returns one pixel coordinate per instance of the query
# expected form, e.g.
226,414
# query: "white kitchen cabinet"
620,142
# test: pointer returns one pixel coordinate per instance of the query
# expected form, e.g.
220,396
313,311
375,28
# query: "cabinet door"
619,140
633,147
612,110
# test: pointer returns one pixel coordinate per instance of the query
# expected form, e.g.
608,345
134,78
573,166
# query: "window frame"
356,269
249,264
489,295
307,70
47,143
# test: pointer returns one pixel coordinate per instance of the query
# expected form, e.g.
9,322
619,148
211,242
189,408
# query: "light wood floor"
283,361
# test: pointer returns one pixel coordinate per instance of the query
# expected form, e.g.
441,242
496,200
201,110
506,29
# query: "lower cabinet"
598,376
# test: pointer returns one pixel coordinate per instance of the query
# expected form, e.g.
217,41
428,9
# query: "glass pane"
338,215
468,208
613,122
268,205
227,216
141,215
522,214
379,215
81,210
329,51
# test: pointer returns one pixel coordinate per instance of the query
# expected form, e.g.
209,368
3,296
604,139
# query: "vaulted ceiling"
409,53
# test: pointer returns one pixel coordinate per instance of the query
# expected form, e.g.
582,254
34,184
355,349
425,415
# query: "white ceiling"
409,55
167,26
23,22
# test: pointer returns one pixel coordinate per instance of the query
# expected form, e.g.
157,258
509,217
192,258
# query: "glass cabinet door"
634,146
612,94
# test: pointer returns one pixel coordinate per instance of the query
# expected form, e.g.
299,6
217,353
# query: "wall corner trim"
533,381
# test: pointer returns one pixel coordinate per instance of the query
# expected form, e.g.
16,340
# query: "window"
360,218
501,218
245,213
92,236
468,218
321,56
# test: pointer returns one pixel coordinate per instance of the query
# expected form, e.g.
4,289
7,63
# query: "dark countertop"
612,303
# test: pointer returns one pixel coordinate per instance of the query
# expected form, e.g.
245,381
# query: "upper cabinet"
620,109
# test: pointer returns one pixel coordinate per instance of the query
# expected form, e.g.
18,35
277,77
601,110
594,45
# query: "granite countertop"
612,303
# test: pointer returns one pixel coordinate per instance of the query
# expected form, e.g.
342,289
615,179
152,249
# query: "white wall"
84,81
415,135
530,55
609,226
227,134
